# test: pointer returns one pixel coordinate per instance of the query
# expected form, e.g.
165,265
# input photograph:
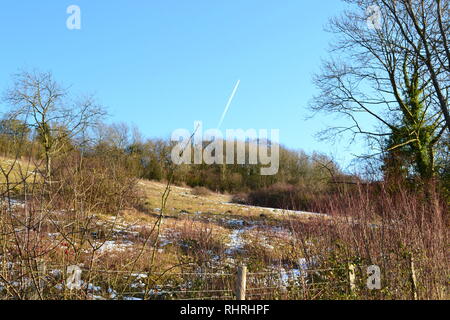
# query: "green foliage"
411,145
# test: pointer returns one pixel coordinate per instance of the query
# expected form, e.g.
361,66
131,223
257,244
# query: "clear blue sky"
163,64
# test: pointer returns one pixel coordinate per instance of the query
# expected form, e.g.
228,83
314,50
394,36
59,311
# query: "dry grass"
201,234
16,172
200,191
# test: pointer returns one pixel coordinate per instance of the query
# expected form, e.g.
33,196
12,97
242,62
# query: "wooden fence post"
413,277
40,276
352,277
241,282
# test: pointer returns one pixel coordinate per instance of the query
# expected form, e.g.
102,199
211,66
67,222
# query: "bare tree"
376,72
425,27
47,108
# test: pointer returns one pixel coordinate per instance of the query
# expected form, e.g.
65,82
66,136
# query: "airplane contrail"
229,103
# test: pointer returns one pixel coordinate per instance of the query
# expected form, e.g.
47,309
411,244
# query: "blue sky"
161,65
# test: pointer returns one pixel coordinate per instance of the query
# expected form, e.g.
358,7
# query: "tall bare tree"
377,72
425,27
47,107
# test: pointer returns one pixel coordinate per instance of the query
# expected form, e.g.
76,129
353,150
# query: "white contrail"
229,103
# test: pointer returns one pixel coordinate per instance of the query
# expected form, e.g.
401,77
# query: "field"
191,245
192,237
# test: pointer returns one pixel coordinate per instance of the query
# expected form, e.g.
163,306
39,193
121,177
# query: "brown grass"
200,191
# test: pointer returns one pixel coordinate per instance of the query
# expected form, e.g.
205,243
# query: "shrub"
200,191
375,226
282,196
100,184
240,198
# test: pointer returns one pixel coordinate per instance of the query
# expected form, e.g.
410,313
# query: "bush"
100,184
200,191
240,198
375,226
282,196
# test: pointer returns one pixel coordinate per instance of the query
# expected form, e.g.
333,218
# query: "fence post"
241,282
40,277
413,277
352,277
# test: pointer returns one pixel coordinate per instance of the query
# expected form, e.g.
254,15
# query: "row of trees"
151,159
44,115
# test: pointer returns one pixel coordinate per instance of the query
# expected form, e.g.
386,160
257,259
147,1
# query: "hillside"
191,246
193,235
237,227
213,228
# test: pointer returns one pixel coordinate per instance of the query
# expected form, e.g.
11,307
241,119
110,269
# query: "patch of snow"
14,203
132,299
94,288
53,235
267,246
112,293
236,242
236,222
275,210
138,285
139,275
109,246
56,273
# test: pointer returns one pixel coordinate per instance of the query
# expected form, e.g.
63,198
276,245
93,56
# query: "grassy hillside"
16,172
202,229
193,246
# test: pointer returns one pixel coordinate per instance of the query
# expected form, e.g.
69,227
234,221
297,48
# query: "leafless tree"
48,108
425,27
378,73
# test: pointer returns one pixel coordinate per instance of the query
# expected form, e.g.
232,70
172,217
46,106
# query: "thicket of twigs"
375,226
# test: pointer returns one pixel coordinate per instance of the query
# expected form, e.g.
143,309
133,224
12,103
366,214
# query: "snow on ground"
109,246
279,211
13,202
295,274
236,242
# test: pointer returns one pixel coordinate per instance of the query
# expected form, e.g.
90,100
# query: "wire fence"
63,282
